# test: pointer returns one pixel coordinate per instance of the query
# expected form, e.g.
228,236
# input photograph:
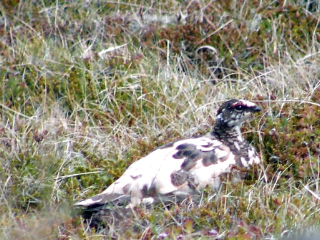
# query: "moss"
293,145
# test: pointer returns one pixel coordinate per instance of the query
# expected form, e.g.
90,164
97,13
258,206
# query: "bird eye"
239,107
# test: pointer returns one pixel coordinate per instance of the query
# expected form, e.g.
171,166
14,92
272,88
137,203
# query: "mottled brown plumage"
186,166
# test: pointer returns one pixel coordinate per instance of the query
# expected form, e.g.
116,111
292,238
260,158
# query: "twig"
215,31
75,175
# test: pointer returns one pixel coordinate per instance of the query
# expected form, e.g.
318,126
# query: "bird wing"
182,167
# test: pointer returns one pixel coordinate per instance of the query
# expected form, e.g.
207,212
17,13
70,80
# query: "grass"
87,88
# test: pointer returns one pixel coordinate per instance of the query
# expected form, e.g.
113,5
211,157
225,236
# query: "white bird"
185,167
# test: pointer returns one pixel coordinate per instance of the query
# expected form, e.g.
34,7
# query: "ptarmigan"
186,166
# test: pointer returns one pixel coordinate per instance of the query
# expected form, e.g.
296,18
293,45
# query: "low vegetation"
88,87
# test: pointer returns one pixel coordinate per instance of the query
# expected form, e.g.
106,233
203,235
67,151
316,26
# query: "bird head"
234,112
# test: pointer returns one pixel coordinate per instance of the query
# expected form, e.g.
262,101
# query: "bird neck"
223,132
232,137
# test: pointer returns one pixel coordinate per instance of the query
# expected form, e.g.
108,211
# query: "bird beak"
257,109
